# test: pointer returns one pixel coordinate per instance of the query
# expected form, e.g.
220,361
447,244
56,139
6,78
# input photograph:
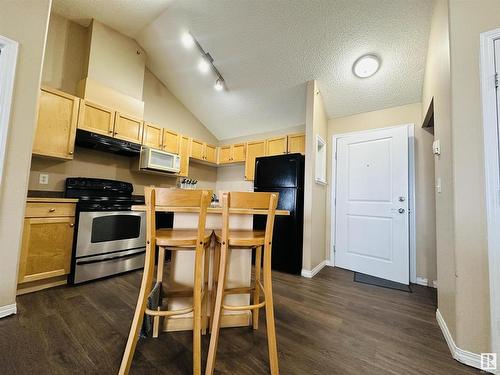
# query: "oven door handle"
82,262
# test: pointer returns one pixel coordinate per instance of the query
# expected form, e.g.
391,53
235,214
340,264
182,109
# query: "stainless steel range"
110,238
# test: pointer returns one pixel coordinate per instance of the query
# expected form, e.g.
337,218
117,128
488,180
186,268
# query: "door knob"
401,210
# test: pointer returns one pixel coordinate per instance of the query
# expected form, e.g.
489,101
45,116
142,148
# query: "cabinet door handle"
52,209
71,152
72,225
110,131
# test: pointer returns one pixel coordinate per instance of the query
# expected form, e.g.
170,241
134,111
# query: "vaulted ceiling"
267,49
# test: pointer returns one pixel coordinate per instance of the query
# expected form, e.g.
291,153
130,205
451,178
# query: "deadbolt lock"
401,199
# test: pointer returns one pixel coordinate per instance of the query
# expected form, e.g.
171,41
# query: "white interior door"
371,227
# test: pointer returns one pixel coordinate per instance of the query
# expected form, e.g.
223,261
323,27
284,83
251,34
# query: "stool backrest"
171,197
250,200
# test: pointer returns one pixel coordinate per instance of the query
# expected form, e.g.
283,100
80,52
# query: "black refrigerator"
283,174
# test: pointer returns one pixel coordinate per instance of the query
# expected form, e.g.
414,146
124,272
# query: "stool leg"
212,349
197,307
256,292
147,278
215,275
271,330
205,302
159,278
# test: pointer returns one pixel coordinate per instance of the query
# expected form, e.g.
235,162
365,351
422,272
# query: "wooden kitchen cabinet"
96,118
152,136
184,152
276,146
232,153
203,151
297,143
46,245
56,126
128,128
225,153
253,150
210,153
171,141
197,149
238,152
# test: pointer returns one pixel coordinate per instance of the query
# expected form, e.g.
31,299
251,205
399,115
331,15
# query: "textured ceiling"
267,49
126,16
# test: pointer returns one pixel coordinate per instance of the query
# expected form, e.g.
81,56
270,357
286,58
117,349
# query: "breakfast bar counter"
239,270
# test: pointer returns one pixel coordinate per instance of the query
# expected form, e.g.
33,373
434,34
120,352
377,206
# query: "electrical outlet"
43,179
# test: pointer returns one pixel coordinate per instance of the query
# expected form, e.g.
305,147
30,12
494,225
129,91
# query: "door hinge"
334,250
496,80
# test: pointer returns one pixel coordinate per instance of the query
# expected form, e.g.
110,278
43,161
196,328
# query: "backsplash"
97,164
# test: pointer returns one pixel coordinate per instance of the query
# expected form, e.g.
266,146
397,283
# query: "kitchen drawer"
50,209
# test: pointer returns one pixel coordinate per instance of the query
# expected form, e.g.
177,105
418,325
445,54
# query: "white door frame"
492,176
411,193
8,59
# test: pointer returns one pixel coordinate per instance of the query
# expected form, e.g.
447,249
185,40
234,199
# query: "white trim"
8,59
411,193
329,263
435,284
314,271
492,176
421,281
8,310
461,355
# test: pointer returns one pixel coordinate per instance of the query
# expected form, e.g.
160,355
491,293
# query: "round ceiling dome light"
366,66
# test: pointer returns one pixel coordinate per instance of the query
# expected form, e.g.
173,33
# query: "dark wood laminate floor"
325,325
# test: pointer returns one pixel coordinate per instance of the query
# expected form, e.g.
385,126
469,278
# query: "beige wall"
271,134
437,85
65,54
25,22
163,108
424,173
315,197
467,21
116,60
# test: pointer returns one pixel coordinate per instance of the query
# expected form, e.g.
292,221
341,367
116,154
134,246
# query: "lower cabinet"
46,245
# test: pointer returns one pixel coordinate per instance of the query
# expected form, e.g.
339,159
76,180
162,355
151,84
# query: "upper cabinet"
211,153
57,121
152,136
203,151
128,128
197,149
96,118
184,152
254,150
297,143
231,153
276,146
171,141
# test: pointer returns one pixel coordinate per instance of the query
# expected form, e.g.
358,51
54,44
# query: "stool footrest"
246,307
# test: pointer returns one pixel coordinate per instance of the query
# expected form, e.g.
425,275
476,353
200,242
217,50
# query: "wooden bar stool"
172,239
243,239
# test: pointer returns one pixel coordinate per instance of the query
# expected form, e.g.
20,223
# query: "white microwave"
156,160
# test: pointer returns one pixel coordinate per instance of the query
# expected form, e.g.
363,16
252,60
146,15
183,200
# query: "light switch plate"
43,179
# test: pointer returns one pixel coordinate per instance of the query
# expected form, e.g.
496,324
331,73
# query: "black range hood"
104,143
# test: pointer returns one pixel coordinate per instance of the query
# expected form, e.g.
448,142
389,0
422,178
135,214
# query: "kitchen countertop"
212,210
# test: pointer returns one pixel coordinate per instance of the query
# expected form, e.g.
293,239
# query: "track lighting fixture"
206,62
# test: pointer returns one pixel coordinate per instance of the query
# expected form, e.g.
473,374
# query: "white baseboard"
422,281
435,284
314,271
329,263
463,356
8,310
425,282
